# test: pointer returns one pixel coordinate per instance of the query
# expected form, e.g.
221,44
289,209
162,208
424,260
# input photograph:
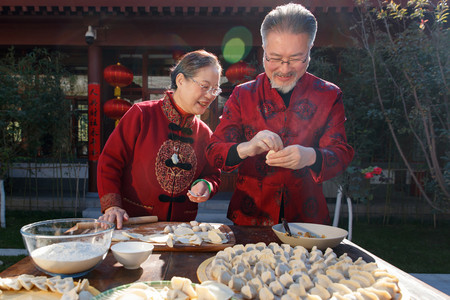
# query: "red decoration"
116,108
118,76
240,72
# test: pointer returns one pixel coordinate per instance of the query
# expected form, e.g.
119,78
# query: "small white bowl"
131,254
333,235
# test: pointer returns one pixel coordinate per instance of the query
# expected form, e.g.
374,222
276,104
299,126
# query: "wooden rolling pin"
132,220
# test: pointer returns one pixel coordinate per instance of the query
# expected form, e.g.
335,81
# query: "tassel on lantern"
117,91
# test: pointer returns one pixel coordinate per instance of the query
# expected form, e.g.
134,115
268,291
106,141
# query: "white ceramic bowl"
131,254
333,235
71,254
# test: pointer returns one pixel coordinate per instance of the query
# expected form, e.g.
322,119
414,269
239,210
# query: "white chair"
337,211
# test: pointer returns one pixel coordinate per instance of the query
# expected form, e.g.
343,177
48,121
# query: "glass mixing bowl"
56,250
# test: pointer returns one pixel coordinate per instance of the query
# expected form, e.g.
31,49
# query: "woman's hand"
200,192
116,215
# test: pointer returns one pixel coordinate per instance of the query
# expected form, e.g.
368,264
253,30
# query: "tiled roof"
163,7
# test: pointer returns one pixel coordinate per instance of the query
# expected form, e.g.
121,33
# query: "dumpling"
276,287
382,294
386,285
286,280
282,268
320,291
85,295
211,290
334,275
256,282
236,283
351,284
298,265
339,288
296,290
217,270
305,281
25,281
323,280
247,274
268,276
224,277
367,294
260,246
248,291
70,295
40,282
265,294
260,267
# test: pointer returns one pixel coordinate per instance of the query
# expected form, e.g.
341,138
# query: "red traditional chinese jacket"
138,171
314,118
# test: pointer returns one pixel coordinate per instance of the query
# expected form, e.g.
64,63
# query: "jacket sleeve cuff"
233,158
317,166
110,200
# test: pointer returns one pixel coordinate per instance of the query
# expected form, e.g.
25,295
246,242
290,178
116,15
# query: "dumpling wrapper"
133,235
159,238
183,231
118,236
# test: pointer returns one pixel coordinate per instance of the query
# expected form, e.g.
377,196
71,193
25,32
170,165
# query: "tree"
407,51
34,113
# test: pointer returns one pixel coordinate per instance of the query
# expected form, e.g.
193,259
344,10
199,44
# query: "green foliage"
397,81
35,115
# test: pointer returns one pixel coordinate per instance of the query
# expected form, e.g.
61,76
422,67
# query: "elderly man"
284,130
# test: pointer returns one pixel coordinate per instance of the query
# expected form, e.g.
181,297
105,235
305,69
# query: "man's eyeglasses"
209,89
288,62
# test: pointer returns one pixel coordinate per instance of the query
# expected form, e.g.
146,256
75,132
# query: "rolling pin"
132,220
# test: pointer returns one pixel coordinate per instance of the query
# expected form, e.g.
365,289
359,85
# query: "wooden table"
165,265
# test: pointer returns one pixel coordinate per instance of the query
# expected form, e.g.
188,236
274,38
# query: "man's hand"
293,157
263,141
116,215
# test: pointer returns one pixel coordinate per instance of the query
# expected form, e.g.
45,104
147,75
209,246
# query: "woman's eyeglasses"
209,89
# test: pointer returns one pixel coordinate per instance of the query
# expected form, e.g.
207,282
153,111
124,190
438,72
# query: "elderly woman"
154,162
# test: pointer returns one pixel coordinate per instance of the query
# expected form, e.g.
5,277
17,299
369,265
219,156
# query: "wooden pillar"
94,112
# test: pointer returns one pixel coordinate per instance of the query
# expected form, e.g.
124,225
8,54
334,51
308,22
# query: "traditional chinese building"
147,37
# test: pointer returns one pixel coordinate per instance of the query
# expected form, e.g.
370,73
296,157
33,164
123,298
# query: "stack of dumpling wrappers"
260,271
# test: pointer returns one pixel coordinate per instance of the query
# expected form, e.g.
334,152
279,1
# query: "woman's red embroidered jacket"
136,170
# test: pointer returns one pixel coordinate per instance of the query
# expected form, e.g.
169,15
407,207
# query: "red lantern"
118,76
116,108
240,72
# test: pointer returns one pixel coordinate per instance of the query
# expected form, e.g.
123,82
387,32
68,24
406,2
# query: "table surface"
165,265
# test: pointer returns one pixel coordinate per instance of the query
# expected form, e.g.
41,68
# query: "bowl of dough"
309,235
67,247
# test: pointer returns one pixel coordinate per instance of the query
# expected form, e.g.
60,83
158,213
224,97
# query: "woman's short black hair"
191,62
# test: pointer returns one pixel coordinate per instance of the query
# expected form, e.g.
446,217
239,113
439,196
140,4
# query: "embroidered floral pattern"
172,114
305,109
171,178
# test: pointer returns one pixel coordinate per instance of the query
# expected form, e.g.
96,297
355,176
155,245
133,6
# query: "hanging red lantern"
116,108
240,72
118,76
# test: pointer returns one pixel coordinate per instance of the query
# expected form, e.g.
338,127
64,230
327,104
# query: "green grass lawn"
415,247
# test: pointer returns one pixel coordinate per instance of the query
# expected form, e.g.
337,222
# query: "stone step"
213,217
214,205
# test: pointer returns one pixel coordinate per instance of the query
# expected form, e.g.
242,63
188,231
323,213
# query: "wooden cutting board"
158,227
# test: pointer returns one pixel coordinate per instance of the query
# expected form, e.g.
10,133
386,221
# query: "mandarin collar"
174,114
